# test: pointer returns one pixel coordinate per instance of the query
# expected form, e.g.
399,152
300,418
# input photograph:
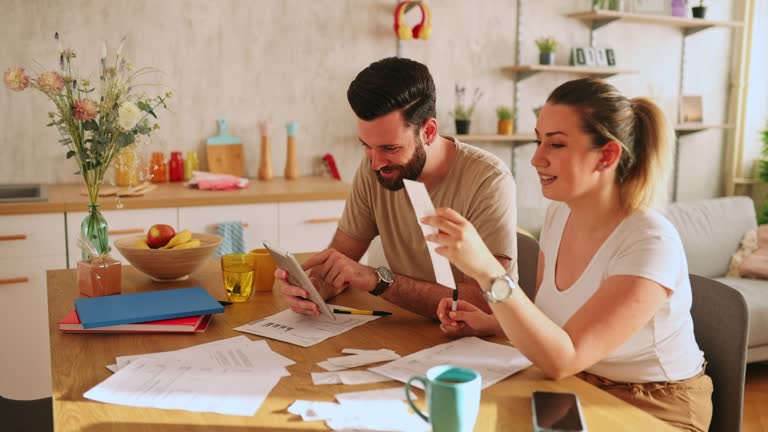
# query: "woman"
613,298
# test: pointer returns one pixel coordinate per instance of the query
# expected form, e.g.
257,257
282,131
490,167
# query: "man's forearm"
422,297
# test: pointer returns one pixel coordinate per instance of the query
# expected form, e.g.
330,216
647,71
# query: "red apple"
159,235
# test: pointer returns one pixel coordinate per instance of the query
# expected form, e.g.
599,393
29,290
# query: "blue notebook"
145,306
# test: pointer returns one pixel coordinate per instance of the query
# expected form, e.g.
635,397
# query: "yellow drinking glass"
264,270
237,272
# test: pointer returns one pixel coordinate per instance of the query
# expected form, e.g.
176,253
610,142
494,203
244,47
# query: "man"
394,100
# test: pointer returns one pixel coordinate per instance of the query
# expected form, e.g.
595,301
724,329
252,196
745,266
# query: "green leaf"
91,125
125,139
71,154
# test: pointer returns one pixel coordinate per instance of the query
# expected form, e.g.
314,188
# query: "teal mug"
453,398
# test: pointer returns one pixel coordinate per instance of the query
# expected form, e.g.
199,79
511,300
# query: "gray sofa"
711,231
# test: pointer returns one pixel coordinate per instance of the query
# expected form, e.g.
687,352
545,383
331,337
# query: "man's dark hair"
391,84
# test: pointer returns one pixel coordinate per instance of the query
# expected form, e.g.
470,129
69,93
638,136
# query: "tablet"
296,276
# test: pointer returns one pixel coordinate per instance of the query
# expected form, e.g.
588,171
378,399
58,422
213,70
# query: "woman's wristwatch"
500,290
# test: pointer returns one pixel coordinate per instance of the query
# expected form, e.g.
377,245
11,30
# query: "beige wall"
254,60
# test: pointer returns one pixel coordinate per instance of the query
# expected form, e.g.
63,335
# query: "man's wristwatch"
385,280
501,289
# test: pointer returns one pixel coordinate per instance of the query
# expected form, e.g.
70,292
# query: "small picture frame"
591,56
601,58
610,57
579,56
691,109
583,56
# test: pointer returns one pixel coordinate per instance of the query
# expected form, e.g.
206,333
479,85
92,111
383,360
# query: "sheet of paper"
368,415
303,330
348,377
422,206
235,352
356,360
390,394
492,361
234,391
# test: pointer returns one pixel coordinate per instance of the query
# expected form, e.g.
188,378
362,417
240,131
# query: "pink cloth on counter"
208,181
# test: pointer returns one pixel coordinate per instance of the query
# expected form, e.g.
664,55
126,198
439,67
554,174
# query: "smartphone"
559,412
296,276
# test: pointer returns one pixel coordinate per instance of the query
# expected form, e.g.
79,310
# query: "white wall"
254,60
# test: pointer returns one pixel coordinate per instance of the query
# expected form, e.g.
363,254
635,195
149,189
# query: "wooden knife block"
226,159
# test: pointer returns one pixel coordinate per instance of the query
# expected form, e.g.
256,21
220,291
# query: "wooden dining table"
78,363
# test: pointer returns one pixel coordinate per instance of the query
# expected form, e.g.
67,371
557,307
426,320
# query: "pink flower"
85,109
50,82
16,79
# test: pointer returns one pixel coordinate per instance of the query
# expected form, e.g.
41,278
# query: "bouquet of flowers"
94,126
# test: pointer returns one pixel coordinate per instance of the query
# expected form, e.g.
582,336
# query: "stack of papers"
231,376
303,330
358,358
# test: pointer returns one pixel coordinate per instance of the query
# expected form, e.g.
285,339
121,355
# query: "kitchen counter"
67,198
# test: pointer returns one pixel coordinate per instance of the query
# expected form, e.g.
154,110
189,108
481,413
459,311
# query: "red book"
193,324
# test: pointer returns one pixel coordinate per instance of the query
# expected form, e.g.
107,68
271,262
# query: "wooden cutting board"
123,192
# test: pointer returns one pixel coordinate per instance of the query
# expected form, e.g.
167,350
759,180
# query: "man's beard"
411,170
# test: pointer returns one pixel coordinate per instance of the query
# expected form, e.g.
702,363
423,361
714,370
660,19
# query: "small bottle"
157,168
265,163
291,164
190,164
126,166
176,167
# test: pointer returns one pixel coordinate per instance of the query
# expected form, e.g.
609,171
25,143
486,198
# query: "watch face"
501,288
385,274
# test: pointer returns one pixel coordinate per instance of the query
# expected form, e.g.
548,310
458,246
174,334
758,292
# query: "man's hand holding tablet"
296,276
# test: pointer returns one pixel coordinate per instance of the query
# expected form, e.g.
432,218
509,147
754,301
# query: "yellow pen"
361,312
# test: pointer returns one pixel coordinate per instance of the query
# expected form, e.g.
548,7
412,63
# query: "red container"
176,167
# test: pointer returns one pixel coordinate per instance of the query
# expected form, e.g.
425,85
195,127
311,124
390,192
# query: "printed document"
234,391
229,376
303,330
422,205
492,361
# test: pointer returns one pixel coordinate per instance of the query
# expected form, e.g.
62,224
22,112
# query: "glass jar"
157,168
94,228
126,166
191,164
176,167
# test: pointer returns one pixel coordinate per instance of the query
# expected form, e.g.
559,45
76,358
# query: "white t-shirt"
644,244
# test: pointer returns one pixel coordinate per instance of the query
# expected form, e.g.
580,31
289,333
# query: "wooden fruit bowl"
168,264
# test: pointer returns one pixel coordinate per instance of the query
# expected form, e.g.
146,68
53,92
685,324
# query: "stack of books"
182,310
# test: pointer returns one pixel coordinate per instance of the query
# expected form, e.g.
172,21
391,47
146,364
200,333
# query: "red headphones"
422,30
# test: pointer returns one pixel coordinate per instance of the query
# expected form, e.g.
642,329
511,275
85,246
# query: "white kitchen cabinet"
25,360
32,235
308,226
260,221
121,223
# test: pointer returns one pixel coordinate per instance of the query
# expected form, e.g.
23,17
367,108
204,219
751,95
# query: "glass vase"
94,228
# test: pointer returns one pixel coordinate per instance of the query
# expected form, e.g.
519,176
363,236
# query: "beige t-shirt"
477,185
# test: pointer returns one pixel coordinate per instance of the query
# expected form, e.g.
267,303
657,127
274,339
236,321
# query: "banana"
188,245
141,244
180,238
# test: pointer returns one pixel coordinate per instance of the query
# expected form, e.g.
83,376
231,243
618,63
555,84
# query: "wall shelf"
689,128
524,71
495,138
689,25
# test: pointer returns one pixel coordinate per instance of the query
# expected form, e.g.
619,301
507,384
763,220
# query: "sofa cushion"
711,231
755,292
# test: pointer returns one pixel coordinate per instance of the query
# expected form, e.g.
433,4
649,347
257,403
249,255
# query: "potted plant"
699,11
462,112
547,46
505,125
